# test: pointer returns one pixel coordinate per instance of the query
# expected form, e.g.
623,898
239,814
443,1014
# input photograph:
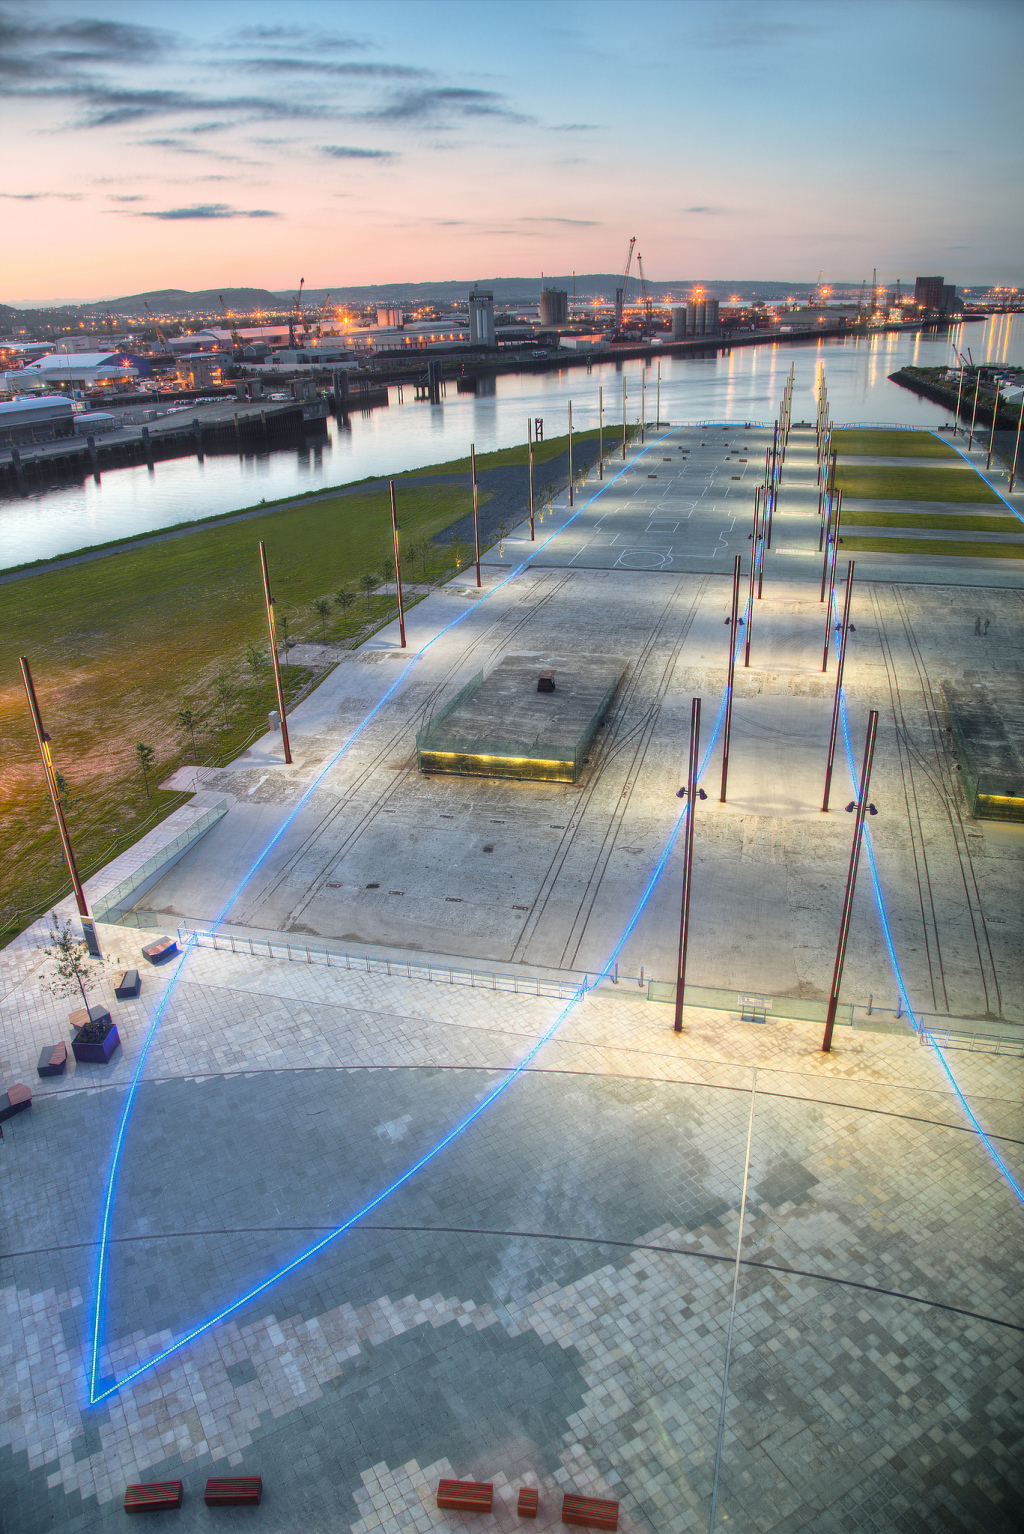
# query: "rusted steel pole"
840,666
830,607
398,563
974,412
727,726
529,454
851,881
43,742
684,918
570,454
600,433
753,566
278,688
476,511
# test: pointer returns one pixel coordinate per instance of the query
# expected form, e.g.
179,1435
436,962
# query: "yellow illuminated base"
473,764
999,807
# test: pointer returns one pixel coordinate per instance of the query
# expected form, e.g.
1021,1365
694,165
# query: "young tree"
64,792
368,583
281,625
258,664
74,972
458,552
145,756
344,599
387,570
502,532
225,689
187,720
323,607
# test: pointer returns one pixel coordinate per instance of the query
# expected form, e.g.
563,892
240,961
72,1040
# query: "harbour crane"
236,339
160,335
296,314
321,316
646,302
620,293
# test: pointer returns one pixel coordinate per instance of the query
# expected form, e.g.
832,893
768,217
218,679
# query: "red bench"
465,1496
529,1502
157,1497
159,950
15,1100
53,1060
589,1512
233,1491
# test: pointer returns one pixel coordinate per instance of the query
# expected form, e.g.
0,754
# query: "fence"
443,974
974,1043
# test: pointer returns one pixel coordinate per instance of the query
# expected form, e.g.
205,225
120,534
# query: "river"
740,385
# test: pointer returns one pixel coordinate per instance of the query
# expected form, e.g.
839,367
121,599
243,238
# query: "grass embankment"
941,521
918,546
890,444
914,484
543,452
120,644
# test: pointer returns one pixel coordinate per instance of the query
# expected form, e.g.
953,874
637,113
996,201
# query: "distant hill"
507,290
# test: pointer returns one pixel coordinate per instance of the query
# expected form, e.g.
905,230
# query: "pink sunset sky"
216,143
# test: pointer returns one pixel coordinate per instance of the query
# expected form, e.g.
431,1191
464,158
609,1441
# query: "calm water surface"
745,384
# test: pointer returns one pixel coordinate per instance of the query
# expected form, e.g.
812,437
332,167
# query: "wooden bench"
529,1502
157,1497
465,1496
127,984
159,950
15,1100
94,1014
589,1512
53,1059
233,1491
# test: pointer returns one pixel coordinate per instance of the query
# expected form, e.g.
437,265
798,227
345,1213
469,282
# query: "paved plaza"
658,1268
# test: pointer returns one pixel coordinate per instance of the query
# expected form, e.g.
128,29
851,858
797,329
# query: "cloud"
210,210
38,196
575,127
276,66
308,38
349,152
583,223
451,101
127,197
702,209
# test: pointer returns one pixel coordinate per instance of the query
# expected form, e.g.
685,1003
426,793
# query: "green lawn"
959,550
118,644
543,452
947,521
914,484
891,444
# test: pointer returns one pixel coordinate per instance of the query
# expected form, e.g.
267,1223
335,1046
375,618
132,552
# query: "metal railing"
974,1043
442,974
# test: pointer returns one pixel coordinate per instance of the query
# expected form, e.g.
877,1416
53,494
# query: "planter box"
96,1054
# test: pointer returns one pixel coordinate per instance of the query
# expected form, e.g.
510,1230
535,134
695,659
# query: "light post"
570,454
1016,445
643,404
840,665
727,727
992,433
476,511
974,412
529,454
398,563
831,593
600,432
657,423
279,689
623,416
959,393
753,563
851,881
684,917
43,742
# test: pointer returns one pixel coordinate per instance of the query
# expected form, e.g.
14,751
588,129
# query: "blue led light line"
883,916
96,1393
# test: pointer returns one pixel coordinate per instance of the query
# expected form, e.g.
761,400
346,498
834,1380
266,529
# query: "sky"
213,143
